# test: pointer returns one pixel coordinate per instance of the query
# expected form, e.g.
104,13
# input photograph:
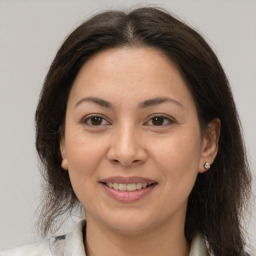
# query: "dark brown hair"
218,196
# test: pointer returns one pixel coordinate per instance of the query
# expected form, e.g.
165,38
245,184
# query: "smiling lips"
128,189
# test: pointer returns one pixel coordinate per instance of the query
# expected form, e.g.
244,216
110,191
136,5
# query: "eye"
160,120
95,121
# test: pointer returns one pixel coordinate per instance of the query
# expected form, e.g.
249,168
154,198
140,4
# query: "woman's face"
132,142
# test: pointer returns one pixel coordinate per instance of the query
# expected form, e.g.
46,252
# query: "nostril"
115,161
125,163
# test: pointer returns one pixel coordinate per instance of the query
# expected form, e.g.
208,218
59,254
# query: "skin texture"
127,141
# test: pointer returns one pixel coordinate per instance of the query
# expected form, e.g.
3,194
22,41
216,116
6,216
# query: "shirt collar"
72,244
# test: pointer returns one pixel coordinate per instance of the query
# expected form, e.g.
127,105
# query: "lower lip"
128,196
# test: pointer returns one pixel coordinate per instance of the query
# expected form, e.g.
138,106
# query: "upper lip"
127,180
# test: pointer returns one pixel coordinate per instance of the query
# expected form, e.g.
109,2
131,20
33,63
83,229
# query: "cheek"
178,158
84,156
83,159
83,152
182,149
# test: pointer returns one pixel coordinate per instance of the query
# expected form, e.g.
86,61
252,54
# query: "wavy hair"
218,197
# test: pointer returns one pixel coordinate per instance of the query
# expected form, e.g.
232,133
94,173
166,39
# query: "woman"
136,123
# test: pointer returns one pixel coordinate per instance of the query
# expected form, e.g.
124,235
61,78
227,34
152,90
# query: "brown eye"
95,121
160,121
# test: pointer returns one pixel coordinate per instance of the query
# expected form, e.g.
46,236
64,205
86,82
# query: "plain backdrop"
30,34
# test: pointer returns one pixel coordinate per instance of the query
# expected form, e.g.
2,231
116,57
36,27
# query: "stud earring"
63,164
207,166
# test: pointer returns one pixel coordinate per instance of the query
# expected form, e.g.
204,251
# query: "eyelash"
166,121
89,119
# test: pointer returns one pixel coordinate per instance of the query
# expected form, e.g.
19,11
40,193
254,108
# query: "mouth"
127,187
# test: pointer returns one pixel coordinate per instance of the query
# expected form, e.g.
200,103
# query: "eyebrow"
144,104
95,100
157,101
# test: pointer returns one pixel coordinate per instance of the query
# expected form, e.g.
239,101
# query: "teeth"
144,185
122,187
139,186
131,187
115,186
126,187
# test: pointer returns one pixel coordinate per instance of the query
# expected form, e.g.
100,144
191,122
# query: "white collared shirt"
72,245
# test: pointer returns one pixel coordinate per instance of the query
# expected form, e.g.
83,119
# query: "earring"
63,164
207,166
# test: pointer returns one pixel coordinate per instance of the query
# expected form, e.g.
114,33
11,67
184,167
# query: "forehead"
137,59
129,72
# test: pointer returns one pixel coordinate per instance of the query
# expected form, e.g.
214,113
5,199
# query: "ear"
64,163
210,143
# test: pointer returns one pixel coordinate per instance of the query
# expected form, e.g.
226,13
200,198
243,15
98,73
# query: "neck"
166,240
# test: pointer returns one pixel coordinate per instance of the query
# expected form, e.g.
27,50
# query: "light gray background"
30,34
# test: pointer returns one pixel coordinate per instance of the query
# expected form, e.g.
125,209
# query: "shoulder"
70,244
199,246
35,249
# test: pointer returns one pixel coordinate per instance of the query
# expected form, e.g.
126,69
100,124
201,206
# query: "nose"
127,147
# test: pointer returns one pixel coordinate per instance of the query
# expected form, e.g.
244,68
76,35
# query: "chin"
129,225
